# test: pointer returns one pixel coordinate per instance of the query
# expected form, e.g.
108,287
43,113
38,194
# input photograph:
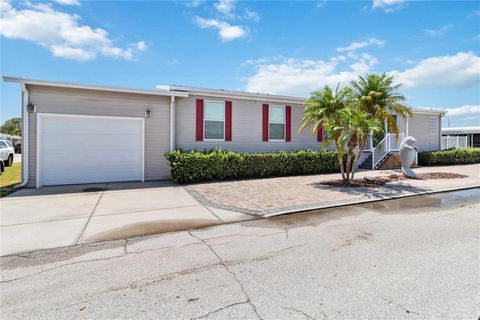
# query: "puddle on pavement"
408,205
149,228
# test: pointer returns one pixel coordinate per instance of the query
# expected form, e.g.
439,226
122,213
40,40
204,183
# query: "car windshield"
8,143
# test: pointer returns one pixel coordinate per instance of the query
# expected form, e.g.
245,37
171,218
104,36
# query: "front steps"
390,161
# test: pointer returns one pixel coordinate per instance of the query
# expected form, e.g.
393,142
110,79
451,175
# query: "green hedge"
216,164
449,156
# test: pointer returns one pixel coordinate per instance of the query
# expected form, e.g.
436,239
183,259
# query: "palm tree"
326,108
378,96
355,132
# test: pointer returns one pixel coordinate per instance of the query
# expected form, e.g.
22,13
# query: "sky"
292,48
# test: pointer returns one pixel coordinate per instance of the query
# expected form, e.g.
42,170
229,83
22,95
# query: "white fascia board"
425,111
461,130
93,87
233,94
429,111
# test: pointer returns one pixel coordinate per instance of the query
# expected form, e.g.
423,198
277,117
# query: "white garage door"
86,149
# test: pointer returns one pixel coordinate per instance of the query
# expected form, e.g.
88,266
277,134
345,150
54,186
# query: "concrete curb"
353,202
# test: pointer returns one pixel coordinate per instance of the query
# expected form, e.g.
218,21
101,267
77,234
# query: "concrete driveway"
50,217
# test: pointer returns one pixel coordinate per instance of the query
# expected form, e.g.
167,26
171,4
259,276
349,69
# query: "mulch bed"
381,181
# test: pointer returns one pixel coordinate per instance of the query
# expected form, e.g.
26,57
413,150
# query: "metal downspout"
172,123
24,137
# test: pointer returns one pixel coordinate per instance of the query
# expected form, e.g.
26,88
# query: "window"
432,125
8,143
276,123
214,119
3,144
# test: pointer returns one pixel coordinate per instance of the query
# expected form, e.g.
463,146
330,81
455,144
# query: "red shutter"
199,120
228,120
288,123
265,122
320,133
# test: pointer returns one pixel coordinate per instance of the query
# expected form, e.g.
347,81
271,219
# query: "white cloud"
299,77
227,7
196,3
251,15
72,53
459,70
60,32
141,46
360,45
68,2
226,32
388,5
470,110
321,3
437,32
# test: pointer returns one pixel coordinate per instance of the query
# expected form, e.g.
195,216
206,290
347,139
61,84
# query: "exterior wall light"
31,108
147,114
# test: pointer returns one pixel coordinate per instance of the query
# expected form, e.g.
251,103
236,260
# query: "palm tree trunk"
355,162
340,161
348,165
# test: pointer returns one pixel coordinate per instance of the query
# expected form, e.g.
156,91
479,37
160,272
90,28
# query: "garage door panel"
84,149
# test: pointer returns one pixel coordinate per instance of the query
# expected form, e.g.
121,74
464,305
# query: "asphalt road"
413,258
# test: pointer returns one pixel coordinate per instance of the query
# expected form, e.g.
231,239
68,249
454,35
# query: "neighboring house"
460,137
75,133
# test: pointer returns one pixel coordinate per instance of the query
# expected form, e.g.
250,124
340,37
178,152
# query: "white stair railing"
388,144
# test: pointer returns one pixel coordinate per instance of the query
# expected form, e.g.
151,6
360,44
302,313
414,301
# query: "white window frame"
430,121
284,122
205,119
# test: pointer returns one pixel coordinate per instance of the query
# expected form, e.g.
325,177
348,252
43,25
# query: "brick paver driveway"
273,196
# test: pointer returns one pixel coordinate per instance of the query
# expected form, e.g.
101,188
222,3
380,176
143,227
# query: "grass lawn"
10,177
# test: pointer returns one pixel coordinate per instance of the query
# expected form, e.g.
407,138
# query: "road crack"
234,275
301,312
220,309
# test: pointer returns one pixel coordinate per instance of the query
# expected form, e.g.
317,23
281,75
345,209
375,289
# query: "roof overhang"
460,130
429,111
72,85
221,93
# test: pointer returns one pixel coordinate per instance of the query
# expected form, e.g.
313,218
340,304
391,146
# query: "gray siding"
246,128
91,102
418,127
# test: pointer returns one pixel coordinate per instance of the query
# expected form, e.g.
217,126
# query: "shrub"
216,164
449,156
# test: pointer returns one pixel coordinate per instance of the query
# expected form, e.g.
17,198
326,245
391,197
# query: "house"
460,137
77,133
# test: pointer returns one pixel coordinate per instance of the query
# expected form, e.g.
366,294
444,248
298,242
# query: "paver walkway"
273,196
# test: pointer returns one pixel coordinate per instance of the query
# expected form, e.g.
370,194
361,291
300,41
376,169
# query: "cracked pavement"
415,258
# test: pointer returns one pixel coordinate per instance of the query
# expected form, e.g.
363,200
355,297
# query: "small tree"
351,114
326,108
12,127
356,132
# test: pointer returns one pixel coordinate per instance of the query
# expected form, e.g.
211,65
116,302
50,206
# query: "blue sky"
276,47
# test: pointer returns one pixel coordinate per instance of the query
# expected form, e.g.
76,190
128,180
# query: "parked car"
6,152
